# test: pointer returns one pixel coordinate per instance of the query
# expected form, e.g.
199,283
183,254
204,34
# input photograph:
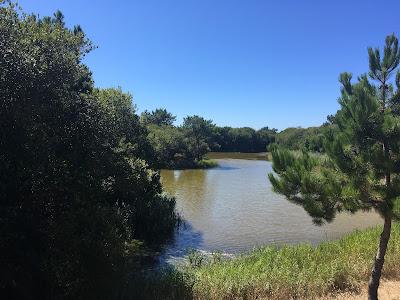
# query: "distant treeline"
183,146
309,139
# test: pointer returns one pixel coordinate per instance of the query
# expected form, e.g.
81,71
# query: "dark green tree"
75,189
125,123
159,117
265,137
168,144
243,139
361,170
198,132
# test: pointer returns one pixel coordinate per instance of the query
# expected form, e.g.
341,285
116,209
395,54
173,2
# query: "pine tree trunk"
373,284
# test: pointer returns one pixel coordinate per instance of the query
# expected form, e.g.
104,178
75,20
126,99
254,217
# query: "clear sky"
239,63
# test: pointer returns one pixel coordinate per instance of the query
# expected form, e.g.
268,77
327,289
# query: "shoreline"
330,269
203,164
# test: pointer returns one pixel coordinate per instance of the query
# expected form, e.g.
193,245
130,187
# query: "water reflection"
197,190
232,208
185,239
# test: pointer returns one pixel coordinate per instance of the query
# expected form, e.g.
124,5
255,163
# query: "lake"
232,208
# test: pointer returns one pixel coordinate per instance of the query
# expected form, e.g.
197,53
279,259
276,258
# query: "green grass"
206,163
300,271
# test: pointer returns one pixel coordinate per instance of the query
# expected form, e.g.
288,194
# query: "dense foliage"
178,147
361,168
186,145
243,139
182,146
75,188
308,139
158,117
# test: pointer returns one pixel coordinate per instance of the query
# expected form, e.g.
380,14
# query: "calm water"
232,209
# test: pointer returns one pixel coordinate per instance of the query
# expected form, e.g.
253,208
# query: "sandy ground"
388,290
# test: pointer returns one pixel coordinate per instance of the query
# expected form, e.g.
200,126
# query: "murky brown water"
232,209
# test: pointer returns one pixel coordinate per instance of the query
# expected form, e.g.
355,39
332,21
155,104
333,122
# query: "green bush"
75,187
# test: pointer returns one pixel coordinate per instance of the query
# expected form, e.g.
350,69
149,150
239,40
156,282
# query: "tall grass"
300,271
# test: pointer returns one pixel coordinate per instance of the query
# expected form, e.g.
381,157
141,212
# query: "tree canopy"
76,190
183,146
159,117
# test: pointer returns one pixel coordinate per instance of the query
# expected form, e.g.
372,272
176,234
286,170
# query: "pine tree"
361,167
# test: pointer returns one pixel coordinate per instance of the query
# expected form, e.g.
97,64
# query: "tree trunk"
379,260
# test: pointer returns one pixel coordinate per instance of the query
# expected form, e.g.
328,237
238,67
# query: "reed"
300,271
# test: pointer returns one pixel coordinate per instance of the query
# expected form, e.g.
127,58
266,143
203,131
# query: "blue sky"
239,63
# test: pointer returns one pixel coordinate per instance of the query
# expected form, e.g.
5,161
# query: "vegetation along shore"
289,272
